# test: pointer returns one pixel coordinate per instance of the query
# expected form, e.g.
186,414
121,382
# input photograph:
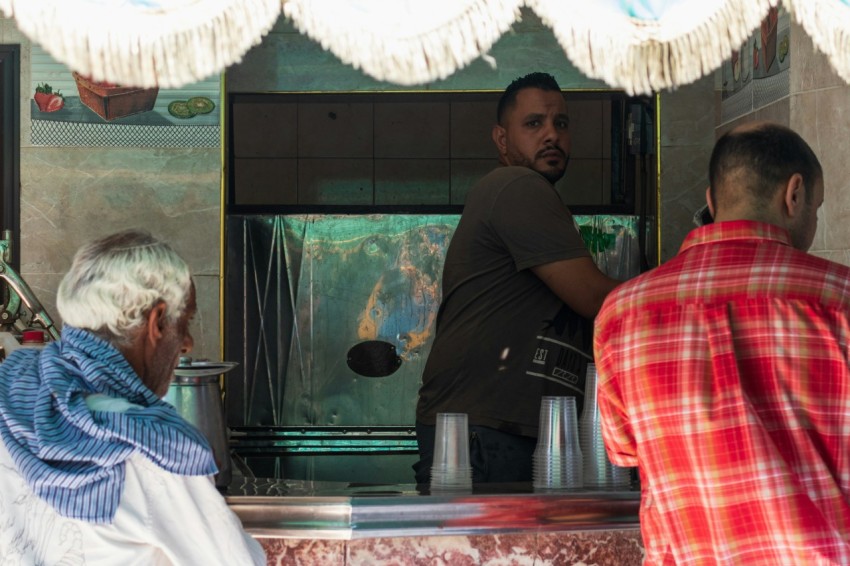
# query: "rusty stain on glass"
315,285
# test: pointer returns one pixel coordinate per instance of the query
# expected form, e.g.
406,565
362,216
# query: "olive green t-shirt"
503,338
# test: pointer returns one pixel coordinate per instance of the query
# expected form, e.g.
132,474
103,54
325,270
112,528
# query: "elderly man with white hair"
95,468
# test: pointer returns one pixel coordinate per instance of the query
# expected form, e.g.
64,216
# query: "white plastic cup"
451,441
599,471
557,460
451,469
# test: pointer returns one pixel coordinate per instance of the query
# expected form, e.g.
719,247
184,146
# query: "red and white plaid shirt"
723,375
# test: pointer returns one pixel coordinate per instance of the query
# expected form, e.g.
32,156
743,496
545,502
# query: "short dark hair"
761,159
543,81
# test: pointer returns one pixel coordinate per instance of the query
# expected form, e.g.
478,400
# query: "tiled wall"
687,136
818,108
70,195
394,149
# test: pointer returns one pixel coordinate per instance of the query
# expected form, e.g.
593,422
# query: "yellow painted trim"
658,178
222,203
442,91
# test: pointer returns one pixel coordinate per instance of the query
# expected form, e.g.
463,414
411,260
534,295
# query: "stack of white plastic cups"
599,472
557,459
451,470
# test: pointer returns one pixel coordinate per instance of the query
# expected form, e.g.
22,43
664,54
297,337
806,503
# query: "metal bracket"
18,297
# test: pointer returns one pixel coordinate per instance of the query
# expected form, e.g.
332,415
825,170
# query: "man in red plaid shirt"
723,374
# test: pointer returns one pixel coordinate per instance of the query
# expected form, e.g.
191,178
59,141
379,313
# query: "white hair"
115,281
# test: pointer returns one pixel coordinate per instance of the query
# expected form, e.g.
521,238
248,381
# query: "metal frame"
10,146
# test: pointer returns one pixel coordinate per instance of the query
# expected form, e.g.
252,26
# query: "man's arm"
577,282
616,426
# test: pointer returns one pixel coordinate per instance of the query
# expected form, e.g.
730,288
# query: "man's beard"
554,175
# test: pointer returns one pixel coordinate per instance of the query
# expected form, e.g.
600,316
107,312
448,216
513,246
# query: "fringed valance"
640,46
405,42
646,46
827,22
145,43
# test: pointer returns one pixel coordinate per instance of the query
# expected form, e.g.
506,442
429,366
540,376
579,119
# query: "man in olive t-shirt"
520,291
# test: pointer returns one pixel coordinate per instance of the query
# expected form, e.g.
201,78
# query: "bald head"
752,163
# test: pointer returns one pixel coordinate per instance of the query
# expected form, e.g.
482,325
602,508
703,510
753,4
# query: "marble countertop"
337,510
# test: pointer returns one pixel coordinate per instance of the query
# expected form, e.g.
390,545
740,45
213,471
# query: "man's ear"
499,134
708,201
794,196
155,324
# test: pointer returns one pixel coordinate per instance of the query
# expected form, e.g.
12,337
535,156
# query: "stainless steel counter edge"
358,517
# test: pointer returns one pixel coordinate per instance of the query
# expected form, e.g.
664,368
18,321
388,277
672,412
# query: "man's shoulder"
830,276
508,184
799,268
633,289
509,174
506,176
821,263
144,476
786,271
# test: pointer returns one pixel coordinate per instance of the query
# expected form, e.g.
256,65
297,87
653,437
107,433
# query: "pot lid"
201,368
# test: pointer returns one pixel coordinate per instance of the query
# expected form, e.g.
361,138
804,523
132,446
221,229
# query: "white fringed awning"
145,43
640,46
405,42
646,46
636,45
827,22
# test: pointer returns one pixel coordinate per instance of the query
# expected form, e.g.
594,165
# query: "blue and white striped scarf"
72,456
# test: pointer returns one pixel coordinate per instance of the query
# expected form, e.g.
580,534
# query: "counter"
347,524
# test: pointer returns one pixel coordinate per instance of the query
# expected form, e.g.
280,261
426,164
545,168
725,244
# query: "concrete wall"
70,195
818,108
687,136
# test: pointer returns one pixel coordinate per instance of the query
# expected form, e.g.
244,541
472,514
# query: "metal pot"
196,394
